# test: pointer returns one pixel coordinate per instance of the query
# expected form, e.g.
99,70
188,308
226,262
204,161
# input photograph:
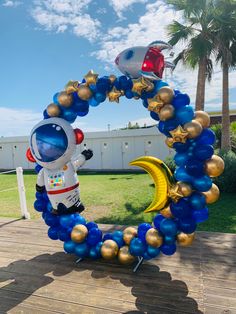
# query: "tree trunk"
201,82
225,139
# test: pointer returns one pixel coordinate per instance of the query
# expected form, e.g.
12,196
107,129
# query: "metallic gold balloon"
212,195
184,239
203,118
53,110
65,99
166,94
124,256
169,142
128,234
214,166
166,113
184,188
84,92
79,233
166,212
193,128
112,78
109,249
153,238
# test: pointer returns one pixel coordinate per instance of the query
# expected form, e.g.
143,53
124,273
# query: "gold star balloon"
114,95
71,87
174,193
155,104
91,78
139,85
179,135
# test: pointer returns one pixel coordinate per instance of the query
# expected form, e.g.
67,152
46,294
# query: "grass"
116,199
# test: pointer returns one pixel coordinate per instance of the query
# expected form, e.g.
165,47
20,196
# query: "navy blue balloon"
181,175
180,100
93,102
176,91
181,159
49,207
145,104
184,114
107,236
181,147
40,205
170,124
153,251
83,113
91,225
203,152
202,184
103,85
197,201
157,221
201,215
125,83
168,227
187,225
154,116
67,221
100,97
69,246
94,236
46,115
117,236
161,128
129,94
142,230
51,220
137,247
168,249
80,106
64,234
117,84
79,220
195,167
207,137
53,233
82,250
181,208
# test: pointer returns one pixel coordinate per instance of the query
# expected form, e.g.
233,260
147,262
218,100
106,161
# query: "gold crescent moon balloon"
162,177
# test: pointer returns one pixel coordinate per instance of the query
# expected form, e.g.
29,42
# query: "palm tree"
195,33
225,44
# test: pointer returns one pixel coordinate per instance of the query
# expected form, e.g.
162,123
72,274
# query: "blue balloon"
64,234
145,104
37,168
55,98
180,100
117,236
67,221
184,114
168,249
69,247
176,91
129,94
125,83
180,209
83,113
137,247
39,196
181,147
103,85
91,225
94,236
203,152
146,256
93,102
49,207
168,227
201,215
195,168
202,184
117,84
98,247
69,115
51,220
181,159
93,253
80,105
107,236
79,220
82,250
160,84
46,115
154,116
170,124
157,221
169,239
207,137
100,97
153,251
187,225
40,205
181,175
142,230
161,128
53,233
197,201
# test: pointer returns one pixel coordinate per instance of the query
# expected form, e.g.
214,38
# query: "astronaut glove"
88,154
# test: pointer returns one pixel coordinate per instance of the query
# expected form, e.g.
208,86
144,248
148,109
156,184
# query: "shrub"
169,161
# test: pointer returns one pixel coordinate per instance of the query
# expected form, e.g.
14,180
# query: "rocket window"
129,54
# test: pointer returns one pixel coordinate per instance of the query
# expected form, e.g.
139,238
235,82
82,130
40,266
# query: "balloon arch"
181,198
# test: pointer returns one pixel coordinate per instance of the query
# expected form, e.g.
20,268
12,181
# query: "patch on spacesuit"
56,180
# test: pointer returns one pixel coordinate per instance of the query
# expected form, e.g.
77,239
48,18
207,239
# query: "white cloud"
120,6
65,15
12,4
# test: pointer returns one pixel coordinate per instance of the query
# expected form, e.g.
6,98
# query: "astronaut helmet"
53,142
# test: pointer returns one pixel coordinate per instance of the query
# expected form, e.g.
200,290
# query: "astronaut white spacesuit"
53,144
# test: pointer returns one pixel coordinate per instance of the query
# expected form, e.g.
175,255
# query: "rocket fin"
150,75
160,44
169,65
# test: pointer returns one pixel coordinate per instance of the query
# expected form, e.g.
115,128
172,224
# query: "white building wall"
112,150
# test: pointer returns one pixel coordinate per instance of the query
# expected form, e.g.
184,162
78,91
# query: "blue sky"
44,44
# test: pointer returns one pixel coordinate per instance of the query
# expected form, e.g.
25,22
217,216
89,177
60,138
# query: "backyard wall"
113,150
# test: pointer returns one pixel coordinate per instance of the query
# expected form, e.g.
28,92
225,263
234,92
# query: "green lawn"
116,198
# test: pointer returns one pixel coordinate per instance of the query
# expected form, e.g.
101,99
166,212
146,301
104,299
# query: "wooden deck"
37,277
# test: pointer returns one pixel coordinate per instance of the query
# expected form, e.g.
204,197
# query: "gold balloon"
214,166
184,188
166,212
203,118
166,94
79,233
153,238
169,142
112,78
84,92
184,239
53,110
109,249
128,234
193,128
166,113
65,99
124,256
212,195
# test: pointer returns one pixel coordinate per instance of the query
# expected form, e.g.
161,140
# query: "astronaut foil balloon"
53,146
144,61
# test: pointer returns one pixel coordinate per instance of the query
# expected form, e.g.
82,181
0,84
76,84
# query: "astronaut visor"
49,142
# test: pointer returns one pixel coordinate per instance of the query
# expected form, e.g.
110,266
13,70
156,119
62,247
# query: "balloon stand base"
78,261
139,263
